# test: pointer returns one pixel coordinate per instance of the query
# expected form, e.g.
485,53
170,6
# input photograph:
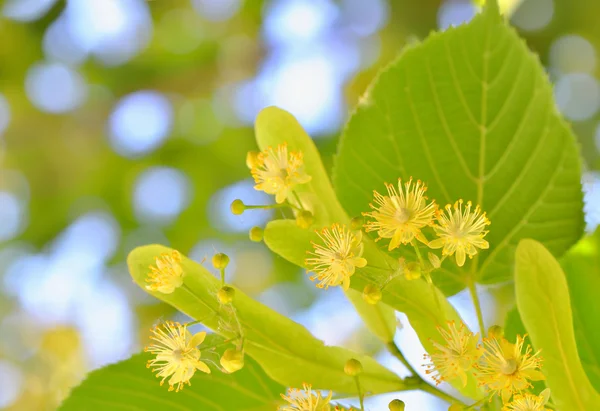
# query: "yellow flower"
460,231
177,355
529,402
335,261
276,171
458,356
305,400
167,275
505,369
401,214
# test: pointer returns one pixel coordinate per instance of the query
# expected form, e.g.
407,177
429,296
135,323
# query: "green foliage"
544,303
288,353
128,385
470,112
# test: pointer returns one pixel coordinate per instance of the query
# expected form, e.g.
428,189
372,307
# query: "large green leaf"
129,385
545,307
582,269
470,111
287,351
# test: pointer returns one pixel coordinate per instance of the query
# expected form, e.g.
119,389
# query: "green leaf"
288,353
545,306
582,269
470,111
275,126
129,385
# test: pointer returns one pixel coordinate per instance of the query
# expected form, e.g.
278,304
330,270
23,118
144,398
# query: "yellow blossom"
401,214
177,355
505,369
335,261
457,356
305,400
277,171
460,231
167,275
529,402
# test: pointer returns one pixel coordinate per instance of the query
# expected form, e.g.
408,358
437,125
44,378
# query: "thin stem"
424,386
298,199
270,206
395,351
427,276
476,304
222,277
361,398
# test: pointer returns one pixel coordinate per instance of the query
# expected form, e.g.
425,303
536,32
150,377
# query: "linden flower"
176,354
276,171
460,231
167,275
305,400
529,402
401,214
335,261
458,356
505,369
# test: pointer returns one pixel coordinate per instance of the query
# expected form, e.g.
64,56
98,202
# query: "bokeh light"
572,54
455,12
26,10
140,122
591,198
161,194
11,379
11,215
577,96
533,15
217,10
55,88
4,114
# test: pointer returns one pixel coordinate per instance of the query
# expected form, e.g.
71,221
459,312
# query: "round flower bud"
455,407
237,207
397,405
252,159
371,294
495,331
434,260
256,234
220,261
412,270
232,360
353,367
225,294
304,219
356,223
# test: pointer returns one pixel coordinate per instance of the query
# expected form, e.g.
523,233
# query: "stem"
270,206
222,277
427,276
360,396
297,197
476,304
424,386
395,351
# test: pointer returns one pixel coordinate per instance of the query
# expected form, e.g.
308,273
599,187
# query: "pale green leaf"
288,353
382,319
470,111
545,307
129,385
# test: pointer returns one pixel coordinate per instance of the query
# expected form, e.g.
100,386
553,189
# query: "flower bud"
371,294
397,405
256,234
495,331
434,260
237,207
252,159
412,270
353,367
220,261
232,360
356,223
225,294
304,219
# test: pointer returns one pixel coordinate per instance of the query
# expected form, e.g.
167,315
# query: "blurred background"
127,122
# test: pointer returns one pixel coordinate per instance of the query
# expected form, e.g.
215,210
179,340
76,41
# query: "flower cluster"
305,400
167,275
501,367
